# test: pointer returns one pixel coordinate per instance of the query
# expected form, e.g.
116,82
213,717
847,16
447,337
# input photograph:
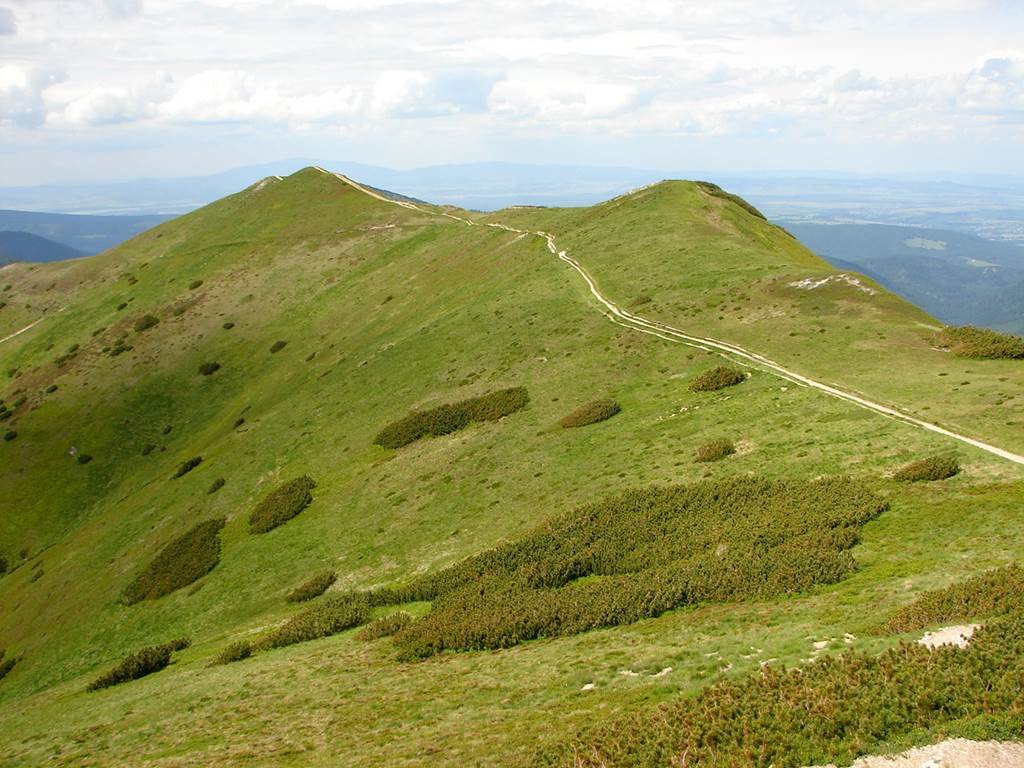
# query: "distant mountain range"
84,235
23,246
961,279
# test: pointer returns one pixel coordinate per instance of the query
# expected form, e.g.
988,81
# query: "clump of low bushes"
981,343
994,593
716,378
277,346
716,191
10,435
215,486
187,466
139,664
452,417
653,549
333,614
591,413
929,469
181,562
6,664
385,626
145,322
715,450
831,711
314,587
236,651
210,368
282,504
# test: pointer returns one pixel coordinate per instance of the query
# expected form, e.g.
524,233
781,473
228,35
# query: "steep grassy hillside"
331,315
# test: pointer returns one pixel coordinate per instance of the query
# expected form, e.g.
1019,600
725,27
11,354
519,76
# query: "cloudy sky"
105,89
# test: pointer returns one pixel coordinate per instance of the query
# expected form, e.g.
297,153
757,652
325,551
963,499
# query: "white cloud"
21,95
8,24
561,100
996,85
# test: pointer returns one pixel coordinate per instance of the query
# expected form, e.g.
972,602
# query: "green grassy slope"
384,310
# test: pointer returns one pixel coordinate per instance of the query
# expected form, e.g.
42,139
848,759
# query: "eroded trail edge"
667,332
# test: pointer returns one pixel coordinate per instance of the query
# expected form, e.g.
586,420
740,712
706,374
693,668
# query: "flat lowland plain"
387,310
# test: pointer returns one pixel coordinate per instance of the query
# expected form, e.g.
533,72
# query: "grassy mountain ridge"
386,310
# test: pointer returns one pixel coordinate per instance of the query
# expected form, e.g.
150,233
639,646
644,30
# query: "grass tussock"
314,587
452,417
181,562
929,469
981,343
139,664
715,450
830,711
281,505
637,555
993,593
591,413
717,378
385,626
333,614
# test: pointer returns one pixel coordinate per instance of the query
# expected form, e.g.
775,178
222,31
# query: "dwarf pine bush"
208,369
236,651
277,346
139,664
993,593
385,626
452,417
187,466
830,711
981,343
314,587
182,561
6,665
333,614
282,505
646,551
715,450
215,486
591,413
145,322
717,378
716,191
929,469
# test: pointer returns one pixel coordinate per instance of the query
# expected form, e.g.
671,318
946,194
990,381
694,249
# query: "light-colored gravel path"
954,753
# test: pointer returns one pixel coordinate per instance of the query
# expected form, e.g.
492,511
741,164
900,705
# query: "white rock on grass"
958,635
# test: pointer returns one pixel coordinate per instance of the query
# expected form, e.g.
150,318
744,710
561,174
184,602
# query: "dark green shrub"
145,322
333,614
84,458
234,652
167,429
717,378
4,566
120,348
182,561
228,326
385,626
993,593
277,346
715,450
831,711
208,369
239,422
216,486
194,284
136,665
981,343
6,665
931,468
187,466
452,417
282,505
148,449
9,435
591,413
180,644
314,587
646,551
122,305
51,389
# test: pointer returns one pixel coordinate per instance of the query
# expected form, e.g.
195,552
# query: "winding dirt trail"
18,333
664,331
